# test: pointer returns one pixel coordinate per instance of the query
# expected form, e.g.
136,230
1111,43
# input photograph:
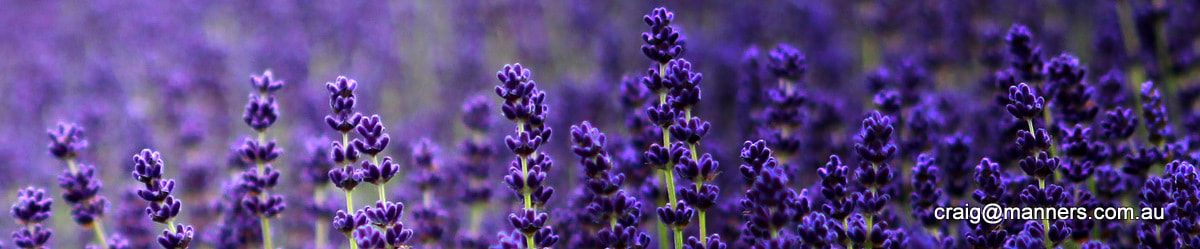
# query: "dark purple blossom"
163,207
524,105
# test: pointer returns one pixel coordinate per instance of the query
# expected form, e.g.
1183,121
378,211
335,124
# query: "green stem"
99,231
670,175
382,191
1046,234
476,217
71,165
703,229
678,239
382,187
349,202
350,209
266,231
525,192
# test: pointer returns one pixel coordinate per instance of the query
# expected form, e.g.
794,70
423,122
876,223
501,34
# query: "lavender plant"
524,105
429,217
345,176
261,112
1034,125
477,156
29,211
81,186
609,203
163,208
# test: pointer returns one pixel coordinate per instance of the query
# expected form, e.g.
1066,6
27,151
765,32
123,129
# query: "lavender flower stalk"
476,158
148,169
32,207
664,44
875,147
1025,103
785,114
81,187
690,129
344,119
609,202
261,112
429,216
770,206
524,105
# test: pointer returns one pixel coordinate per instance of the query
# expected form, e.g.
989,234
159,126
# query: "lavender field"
599,124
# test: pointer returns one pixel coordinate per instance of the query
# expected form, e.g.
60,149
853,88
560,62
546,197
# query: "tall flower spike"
345,175
428,178
81,187
261,112
476,162
925,191
524,105
609,203
163,207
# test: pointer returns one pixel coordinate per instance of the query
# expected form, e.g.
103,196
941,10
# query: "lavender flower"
925,192
374,141
1155,114
427,178
609,203
663,42
81,187
345,176
770,205
388,231
32,207
148,169
1026,56
476,160
523,104
784,113
876,149
261,112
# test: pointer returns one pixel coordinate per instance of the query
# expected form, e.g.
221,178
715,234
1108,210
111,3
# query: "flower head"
1026,57
32,206
342,100
1024,103
663,42
66,141
787,63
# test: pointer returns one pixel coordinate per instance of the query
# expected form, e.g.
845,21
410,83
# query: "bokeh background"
173,75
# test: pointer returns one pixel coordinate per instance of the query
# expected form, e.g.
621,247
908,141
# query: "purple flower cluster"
524,104
261,112
81,187
861,124
148,167
384,229
30,210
